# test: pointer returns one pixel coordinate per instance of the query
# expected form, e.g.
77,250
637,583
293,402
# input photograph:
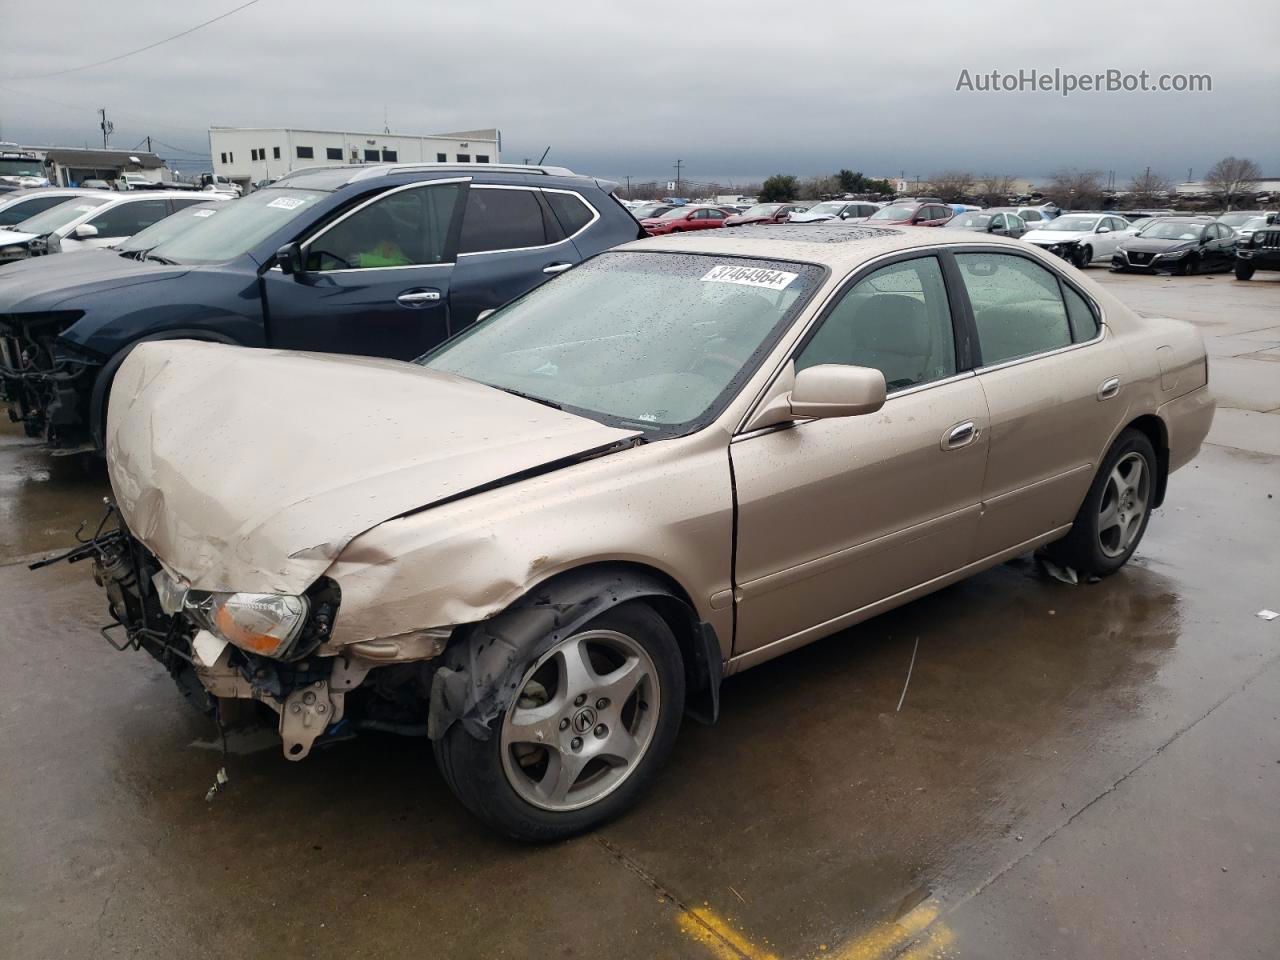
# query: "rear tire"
1114,516
1244,271
521,781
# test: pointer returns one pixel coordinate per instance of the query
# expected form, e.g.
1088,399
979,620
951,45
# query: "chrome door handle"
416,298
556,267
961,435
1108,388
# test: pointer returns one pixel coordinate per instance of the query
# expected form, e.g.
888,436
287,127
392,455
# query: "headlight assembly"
261,623
12,251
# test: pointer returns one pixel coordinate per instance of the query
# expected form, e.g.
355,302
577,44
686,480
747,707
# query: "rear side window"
501,220
1084,322
896,320
1017,306
28,208
404,228
126,219
180,202
570,210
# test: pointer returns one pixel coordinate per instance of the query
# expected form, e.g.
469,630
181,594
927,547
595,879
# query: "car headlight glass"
1174,254
11,251
261,623
1258,238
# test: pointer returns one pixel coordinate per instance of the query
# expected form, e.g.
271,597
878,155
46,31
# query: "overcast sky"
738,89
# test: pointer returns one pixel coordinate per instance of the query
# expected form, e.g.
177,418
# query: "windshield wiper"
159,259
528,396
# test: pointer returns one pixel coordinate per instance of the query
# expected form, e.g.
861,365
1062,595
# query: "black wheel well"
1155,430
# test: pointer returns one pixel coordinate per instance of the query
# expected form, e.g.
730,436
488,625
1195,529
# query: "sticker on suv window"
286,203
204,213
750,276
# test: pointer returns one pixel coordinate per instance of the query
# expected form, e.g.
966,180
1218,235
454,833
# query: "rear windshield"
239,226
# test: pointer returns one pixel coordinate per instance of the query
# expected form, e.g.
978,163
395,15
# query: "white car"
23,204
1082,238
89,222
850,211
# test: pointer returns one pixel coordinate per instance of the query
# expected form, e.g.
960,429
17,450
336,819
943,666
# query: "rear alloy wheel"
1115,512
1244,271
594,718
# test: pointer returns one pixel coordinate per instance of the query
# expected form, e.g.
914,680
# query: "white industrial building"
247,155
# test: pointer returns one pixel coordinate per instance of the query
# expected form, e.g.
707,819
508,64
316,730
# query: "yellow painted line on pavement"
879,944
716,934
933,946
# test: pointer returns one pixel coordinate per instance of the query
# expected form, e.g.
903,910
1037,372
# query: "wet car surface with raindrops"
1012,766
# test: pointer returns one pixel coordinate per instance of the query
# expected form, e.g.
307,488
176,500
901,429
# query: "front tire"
1084,257
1190,268
1116,510
593,721
1244,271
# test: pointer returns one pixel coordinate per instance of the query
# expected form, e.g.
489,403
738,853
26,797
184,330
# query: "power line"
130,53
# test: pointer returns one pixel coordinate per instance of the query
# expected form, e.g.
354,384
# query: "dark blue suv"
384,260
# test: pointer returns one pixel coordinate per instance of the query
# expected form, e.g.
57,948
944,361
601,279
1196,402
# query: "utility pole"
148,144
107,126
628,179
678,165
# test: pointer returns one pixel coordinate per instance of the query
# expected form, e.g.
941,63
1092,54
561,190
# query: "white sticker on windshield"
204,213
85,208
751,276
286,203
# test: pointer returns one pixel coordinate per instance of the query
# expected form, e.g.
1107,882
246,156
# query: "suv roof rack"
366,171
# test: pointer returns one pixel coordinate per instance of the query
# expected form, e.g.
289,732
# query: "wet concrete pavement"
1086,771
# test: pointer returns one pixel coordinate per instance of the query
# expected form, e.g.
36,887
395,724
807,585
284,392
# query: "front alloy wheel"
593,718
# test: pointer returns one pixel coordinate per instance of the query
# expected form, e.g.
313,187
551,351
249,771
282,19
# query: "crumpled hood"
248,469
41,283
9,237
1056,236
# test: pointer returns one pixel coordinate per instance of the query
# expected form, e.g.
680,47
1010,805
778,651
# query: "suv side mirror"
85,231
289,258
837,390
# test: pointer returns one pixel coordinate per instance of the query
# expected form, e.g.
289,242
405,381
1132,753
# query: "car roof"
839,246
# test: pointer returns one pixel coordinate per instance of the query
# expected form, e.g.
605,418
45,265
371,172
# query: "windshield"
675,213
59,216
830,208
763,210
647,339
239,226
969,221
1070,224
168,228
1236,219
1254,223
18,167
1172,230
896,211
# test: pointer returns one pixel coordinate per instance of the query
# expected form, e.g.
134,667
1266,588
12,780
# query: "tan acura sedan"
543,543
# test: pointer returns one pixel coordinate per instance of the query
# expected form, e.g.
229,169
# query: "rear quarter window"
570,210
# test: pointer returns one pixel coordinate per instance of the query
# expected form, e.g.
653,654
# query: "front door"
376,280
837,514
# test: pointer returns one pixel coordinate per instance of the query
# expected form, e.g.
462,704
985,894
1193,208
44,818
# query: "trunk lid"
249,469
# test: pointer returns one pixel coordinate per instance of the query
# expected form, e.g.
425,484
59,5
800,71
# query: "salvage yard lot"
1087,771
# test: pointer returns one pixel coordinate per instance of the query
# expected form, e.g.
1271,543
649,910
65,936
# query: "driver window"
404,228
896,320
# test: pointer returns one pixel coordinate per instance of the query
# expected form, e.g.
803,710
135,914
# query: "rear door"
1055,387
376,279
511,241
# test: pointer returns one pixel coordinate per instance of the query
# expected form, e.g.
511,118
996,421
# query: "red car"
765,213
679,219
920,213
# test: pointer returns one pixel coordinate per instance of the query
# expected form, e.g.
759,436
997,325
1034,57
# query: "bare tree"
952,185
1231,178
1149,188
1077,189
815,188
993,189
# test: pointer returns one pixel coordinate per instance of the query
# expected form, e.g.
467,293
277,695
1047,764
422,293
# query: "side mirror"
836,390
289,258
85,231
1104,229
994,227
1203,239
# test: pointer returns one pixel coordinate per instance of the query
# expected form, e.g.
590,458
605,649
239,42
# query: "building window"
262,153
464,158
371,156
275,153
231,158
224,157
306,153
253,154
482,158
333,153
389,156
441,158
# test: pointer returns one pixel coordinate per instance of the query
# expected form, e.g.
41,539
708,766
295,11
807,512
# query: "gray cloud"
736,89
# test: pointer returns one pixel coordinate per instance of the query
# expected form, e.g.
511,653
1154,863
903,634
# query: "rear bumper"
1187,421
